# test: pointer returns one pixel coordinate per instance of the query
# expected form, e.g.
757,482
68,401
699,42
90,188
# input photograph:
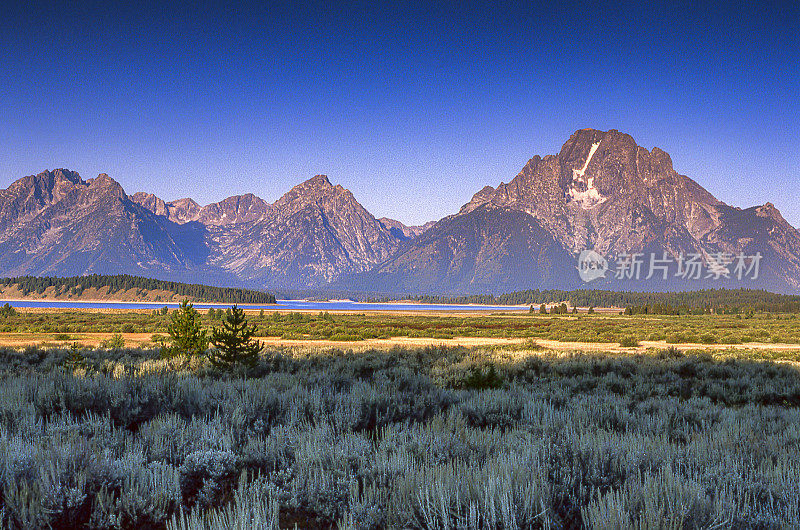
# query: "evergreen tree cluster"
234,345
122,282
702,301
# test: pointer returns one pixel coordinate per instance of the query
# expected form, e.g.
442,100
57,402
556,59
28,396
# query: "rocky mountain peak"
483,196
769,210
66,175
318,181
188,203
102,180
661,159
314,190
236,209
604,191
151,202
184,210
106,185
229,211
601,191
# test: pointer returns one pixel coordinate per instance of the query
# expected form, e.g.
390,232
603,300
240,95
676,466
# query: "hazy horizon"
427,105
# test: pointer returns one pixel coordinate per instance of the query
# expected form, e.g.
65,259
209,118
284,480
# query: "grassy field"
64,326
531,422
436,438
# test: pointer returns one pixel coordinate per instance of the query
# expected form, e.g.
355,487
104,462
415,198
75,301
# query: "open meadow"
65,327
540,422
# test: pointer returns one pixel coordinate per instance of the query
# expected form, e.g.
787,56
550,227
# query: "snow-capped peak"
582,190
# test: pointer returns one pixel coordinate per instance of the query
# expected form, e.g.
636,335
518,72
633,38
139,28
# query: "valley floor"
21,340
434,422
387,329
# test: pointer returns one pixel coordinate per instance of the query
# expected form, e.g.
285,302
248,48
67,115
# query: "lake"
286,305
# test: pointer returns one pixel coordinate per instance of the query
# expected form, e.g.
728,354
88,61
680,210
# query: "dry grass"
135,340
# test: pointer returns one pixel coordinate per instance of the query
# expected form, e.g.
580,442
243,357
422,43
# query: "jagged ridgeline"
75,286
600,192
718,300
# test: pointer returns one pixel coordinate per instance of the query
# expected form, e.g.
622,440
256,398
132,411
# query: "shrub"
670,353
115,342
708,338
206,476
480,379
366,439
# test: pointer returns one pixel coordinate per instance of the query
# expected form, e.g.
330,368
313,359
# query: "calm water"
282,304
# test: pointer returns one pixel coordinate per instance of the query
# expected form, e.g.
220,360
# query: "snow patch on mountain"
582,190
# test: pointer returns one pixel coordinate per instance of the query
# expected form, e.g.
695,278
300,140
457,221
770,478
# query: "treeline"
122,282
703,301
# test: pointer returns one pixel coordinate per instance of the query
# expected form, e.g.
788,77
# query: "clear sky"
412,107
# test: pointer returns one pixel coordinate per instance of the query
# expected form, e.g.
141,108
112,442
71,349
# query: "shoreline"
102,301
276,304
284,304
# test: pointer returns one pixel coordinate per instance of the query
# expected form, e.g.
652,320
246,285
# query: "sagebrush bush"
629,342
399,439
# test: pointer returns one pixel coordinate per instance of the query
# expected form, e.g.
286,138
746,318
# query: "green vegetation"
711,329
725,329
424,438
115,342
235,346
692,302
74,286
7,311
629,342
186,335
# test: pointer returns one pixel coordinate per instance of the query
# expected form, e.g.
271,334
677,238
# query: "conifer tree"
234,341
186,335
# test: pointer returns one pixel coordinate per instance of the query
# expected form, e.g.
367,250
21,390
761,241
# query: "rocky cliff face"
233,210
601,192
488,249
402,231
317,233
55,223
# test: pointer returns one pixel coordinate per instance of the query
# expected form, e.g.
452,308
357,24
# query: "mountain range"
601,192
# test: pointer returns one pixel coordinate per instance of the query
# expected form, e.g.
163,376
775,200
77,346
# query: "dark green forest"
122,282
703,301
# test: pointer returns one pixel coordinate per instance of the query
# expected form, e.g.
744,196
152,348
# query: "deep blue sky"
413,108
